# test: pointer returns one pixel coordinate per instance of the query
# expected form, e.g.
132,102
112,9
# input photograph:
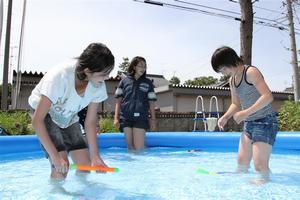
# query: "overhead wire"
237,13
264,22
295,12
261,21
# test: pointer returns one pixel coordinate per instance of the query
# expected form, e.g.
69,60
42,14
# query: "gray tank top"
248,95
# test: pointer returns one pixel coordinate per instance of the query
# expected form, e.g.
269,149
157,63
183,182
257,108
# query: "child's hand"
59,164
221,123
96,161
240,116
116,123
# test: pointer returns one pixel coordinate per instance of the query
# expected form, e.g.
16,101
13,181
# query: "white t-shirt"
59,86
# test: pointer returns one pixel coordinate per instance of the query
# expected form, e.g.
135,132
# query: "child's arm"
117,111
255,77
235,102
91,133
39,125
153,117
233,108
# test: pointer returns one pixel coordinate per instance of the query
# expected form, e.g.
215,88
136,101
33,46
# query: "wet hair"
97,58
134,62
225,57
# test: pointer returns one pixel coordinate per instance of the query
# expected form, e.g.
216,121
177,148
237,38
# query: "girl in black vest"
135,98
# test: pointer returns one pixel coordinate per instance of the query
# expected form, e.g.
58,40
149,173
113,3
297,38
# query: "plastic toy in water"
188,151
205,172
194,150
93,168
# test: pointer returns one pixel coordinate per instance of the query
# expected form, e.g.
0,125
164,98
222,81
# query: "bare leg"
261,157
244,153
56,175
129,138
139,138
81,156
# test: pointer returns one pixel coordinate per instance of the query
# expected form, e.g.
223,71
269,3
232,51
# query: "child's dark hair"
134,62
225,56
97,58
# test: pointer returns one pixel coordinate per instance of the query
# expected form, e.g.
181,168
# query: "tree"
124,65
246,30
9,93
224,78
174,80
202,80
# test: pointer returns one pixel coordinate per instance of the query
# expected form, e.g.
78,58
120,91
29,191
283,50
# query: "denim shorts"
64,139
262,130
143,124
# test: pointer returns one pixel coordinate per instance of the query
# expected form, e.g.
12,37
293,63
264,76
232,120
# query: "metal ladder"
210,113
198,112
216,113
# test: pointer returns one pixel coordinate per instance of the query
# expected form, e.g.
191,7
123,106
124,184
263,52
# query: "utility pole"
246,30
1,18
294,60
15,101
4,105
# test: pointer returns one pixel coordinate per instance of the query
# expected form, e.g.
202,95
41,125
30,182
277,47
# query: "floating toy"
194,150
95,168
203,171
188,151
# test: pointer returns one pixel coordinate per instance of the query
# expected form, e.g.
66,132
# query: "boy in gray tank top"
251,103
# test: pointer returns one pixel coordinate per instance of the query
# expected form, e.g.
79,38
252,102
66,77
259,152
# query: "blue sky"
174,42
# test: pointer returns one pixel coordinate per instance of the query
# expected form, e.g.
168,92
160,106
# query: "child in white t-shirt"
57,99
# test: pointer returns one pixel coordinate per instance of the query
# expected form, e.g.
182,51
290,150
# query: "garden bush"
289,116
107,125
16,122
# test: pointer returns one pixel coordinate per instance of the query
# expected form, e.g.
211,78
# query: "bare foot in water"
259,181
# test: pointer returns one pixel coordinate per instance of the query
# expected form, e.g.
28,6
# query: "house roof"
220,88
223,86
30,73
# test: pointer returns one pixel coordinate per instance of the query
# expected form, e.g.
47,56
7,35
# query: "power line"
232,12
270,10
267,9
173,6
295,12
262,21
200,5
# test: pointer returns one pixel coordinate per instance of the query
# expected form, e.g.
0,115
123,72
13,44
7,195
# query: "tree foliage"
174,80
224,78
202,81
124,65
16,122
288,116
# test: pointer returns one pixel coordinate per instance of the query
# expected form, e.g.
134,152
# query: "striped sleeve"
119,90
151,93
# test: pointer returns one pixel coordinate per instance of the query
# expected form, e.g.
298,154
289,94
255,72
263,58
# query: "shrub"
107,125
289,116
16,122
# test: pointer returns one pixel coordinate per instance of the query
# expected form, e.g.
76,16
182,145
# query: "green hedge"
16,122
289,116
107,126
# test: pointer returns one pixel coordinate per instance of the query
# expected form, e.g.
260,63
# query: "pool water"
157,173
